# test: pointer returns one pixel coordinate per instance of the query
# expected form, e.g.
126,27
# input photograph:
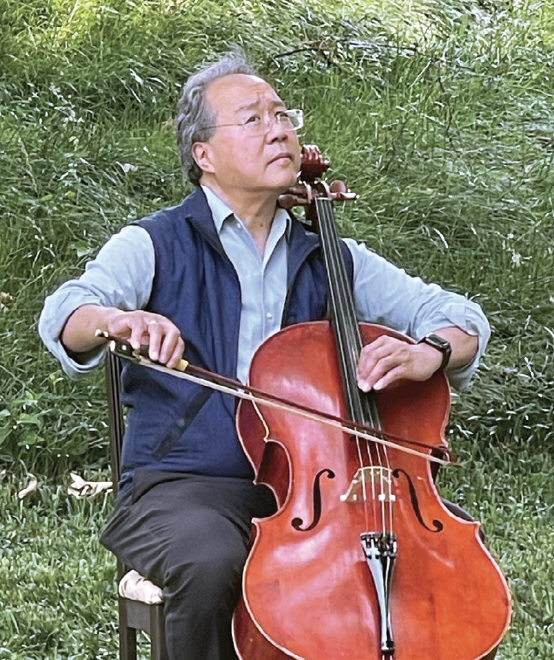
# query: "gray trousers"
188,534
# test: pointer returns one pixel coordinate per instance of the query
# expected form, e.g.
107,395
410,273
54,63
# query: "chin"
284,186
290,177
284,170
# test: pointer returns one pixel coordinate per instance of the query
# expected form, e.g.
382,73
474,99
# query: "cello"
362,560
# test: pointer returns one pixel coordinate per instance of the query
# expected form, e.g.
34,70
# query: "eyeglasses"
288,120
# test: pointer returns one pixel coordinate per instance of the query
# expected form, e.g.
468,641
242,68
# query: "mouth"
280,157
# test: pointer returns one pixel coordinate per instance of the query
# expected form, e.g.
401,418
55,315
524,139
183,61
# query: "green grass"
440,116
58,588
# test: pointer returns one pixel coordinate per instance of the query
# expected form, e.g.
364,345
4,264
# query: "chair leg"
127,635
157,634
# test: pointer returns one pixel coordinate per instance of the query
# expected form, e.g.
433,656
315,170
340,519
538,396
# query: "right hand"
138,328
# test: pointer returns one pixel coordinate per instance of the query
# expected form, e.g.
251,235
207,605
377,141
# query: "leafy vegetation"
438,114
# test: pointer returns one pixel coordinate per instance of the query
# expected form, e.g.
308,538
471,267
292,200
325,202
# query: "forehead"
233,93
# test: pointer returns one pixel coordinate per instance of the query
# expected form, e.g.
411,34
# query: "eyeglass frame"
299,116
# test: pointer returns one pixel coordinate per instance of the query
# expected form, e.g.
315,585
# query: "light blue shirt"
122,274
261,277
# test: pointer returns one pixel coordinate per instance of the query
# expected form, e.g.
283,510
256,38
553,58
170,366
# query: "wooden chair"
134,614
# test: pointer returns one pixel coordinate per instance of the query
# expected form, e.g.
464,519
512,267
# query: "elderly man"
209,278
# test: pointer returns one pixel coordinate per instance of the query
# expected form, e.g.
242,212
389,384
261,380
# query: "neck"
256,209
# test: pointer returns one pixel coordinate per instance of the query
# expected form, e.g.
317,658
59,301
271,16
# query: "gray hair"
195,119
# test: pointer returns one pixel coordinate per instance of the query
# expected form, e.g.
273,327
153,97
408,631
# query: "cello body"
307,590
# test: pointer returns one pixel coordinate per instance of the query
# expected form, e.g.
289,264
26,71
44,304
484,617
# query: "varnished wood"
309,594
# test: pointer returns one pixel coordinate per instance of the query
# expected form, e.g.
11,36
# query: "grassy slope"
440,118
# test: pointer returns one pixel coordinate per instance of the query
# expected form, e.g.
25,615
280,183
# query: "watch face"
442,345
439,342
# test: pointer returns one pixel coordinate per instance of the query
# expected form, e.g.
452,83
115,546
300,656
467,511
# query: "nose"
276,131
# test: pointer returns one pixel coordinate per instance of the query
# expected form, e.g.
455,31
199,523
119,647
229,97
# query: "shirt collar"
220,211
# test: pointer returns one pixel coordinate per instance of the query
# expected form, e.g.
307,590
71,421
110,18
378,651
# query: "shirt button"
269,316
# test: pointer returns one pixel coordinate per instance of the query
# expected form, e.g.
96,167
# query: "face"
236,160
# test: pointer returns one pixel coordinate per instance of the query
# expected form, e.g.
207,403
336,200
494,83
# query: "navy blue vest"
175,425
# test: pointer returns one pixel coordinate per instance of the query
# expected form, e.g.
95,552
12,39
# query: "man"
214,277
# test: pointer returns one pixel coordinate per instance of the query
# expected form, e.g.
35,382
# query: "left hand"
388,359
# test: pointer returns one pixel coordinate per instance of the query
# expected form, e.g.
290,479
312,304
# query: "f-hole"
316,496
437,524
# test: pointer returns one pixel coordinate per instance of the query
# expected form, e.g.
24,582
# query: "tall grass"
438,114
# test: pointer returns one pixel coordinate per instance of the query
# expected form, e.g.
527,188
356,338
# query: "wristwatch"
441,344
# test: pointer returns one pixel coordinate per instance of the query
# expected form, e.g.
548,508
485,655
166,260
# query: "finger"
380,370
177,355
369,357
169,343
373,353
389,378
155,336
127,326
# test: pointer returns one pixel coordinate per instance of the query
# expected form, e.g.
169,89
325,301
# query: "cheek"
236,161
250,159
296,153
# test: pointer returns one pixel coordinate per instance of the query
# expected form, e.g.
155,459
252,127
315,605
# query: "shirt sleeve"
387,295
121,276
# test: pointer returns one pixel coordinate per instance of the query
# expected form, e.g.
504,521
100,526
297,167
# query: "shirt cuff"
469,318
50,329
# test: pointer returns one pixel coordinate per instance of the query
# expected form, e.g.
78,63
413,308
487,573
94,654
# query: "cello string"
348,314
349,334
334,279
348,328
349,342
350,354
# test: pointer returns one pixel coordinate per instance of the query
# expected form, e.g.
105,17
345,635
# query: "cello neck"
361,407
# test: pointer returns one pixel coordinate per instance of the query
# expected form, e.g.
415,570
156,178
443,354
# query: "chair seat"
135,587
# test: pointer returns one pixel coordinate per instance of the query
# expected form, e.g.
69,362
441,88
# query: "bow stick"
214,381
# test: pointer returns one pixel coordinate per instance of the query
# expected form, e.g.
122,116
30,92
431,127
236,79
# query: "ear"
202,155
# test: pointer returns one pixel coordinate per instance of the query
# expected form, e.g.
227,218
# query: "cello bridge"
370,483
